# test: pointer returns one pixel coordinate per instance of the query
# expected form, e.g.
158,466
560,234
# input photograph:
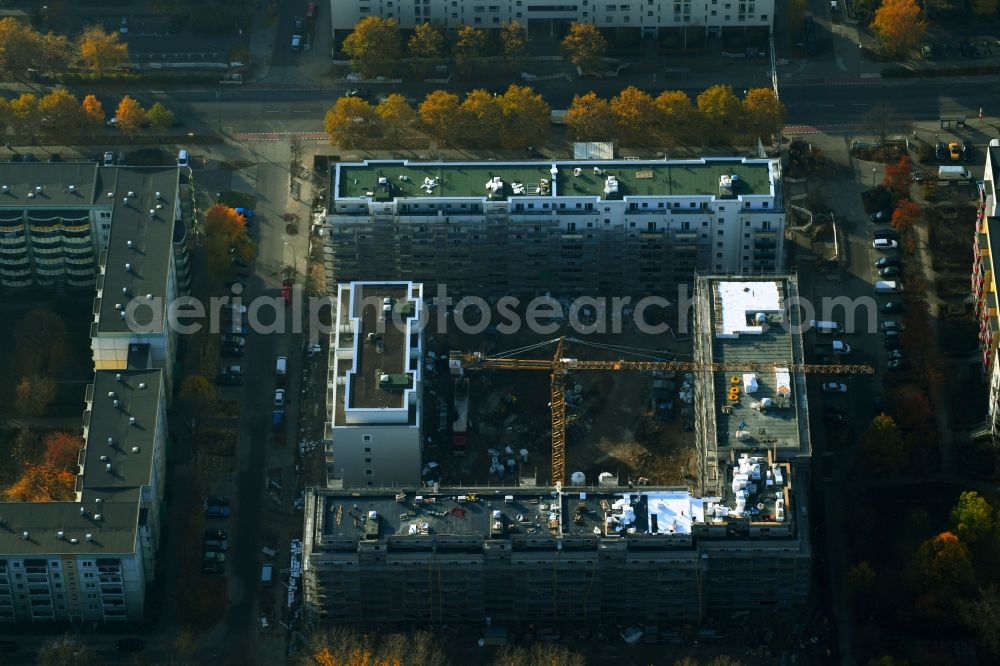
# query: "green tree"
944,564
882,447
584,46
65,651
900,26
972,516
100,50
129,116
19,46
677,115
512,40
470,44
526,117
34,394
636,116
352,122
763,113
374,46
160,117
396,116
438,113
589,118
40,344
984,8
719,114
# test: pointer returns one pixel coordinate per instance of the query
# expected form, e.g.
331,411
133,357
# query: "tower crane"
558,366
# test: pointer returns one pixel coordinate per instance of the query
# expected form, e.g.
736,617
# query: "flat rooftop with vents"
747,320
389,180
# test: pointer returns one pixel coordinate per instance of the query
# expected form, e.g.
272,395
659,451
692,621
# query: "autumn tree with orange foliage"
900,26
348,647
53,479
898,177
944,563
224,234
906,216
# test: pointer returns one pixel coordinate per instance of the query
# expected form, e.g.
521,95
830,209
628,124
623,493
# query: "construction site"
494,426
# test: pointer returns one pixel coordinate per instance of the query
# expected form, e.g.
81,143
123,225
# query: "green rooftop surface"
774,428
662,179
454,180
636,178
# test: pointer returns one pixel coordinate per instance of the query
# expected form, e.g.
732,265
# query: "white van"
888,287
826,327
954,173
182,157
281,366
266,575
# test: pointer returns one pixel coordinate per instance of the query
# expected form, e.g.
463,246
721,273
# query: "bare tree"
878,120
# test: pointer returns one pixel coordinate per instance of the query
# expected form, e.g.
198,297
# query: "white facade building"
549,15
372,435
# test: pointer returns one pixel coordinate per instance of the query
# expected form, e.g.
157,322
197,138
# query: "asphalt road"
257,395
823,104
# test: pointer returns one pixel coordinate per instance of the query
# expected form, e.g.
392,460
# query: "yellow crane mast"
559,365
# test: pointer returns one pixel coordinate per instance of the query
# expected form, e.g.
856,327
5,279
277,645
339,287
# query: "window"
763,17
368,460
369,472
719,244
610,8
713,12
722,232
704,223
766,225
651,226
765,204
477,20
746,247
649,13
366,438
693,204
626,8
364,9
479,9
746,223
368,449
718,255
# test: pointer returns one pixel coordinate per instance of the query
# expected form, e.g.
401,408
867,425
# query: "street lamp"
873,180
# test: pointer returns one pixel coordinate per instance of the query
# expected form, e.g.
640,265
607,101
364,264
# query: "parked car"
890,325
213,511
895,354
892,344
882,216
228,380
215,545
834,387
211,568
968,151
890,234
296,42
130,645
892,306
884,262
953,151
55,157
216,533
941,152
889,271
884,244
279,397
213,556
109,159
891,333
895,364
30,157
231,351
233,340
299,26
360,93
233,370
919,176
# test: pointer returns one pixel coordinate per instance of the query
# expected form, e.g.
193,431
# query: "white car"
279,397
885,244
892,326
834,387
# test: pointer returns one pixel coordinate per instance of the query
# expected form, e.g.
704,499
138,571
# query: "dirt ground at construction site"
613,424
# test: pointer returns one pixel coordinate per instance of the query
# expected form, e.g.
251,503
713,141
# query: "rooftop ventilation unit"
74,541
131,193
5,189
71,188
149,297
128,244
104,458
125,201
111,441
152,213
159,206
60,535
111,195
142,385
128,267
38,188
135,449
98,517
157,195
83,511
123,314
107,467
118,376
31,195
24,535
111,394
118,306
131,420
98,500
89,536
125,290
116,403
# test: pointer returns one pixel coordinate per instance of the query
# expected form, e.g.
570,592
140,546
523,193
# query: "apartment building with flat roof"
740,319
613,226
573,554
374,389
649,17
90,560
